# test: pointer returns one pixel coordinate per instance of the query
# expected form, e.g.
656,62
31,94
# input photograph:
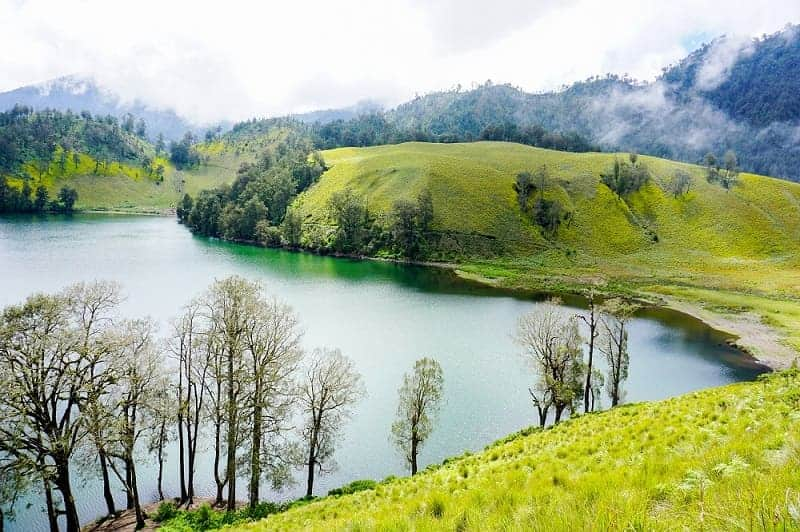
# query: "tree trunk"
217,451
230,469
52,518
192,454
588,388
542,416
189,437
135,495
255,452
107,495
161,437
64,485
559,411
181,464
414,453
128,484
312,460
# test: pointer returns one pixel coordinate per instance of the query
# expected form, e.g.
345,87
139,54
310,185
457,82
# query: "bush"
166,511
268,235
353,487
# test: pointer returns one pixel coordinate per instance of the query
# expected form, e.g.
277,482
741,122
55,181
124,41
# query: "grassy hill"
744,241
719,459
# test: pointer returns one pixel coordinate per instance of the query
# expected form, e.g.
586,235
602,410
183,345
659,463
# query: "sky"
235,59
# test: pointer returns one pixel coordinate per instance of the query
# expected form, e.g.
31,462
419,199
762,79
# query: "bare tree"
272,343
616,316
161,430
94,306
215,406
139,379
227,305
592,321
49,376
420,401
327,393
551,344
186,344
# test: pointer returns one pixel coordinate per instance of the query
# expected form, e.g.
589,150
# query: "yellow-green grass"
743,241
720,459
124,187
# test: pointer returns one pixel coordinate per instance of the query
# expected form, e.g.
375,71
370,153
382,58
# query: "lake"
382,315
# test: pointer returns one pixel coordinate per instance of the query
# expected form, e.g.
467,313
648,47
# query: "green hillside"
744,241
719,459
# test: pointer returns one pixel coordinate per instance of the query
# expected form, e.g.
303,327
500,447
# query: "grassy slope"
745,242
720,459
127,188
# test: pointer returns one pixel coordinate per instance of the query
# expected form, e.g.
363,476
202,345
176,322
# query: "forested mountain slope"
730,94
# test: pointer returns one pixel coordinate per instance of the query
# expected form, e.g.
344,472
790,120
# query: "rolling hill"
743,242
718,459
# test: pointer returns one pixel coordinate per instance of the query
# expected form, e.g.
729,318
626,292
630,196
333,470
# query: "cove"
383,315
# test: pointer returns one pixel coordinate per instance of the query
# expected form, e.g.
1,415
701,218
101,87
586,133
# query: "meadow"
743,243
718,459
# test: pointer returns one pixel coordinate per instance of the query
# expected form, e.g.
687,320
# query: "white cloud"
721,57
212,60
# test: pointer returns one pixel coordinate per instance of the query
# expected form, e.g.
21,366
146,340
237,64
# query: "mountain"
325,116
730,94
754,81
78,94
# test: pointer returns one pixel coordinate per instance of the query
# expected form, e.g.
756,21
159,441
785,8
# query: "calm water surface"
382,315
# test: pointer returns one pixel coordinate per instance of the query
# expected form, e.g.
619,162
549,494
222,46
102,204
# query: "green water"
382,315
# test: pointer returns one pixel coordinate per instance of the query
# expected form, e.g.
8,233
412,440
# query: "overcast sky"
234,59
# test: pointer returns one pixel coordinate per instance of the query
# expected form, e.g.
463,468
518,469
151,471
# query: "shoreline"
753,338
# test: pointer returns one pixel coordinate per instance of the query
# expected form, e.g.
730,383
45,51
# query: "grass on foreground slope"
720,459
745,241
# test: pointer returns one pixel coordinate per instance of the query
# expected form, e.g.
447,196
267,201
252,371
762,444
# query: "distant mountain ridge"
77,93
729,94
742,95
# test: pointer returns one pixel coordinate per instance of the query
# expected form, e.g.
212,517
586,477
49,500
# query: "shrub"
166,511
353,487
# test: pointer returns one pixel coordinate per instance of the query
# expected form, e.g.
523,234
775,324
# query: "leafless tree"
616,316
227,305
139,380
420,397
551,344
188,345
214,408
49,375
327,393
272,353
95,307
592,322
